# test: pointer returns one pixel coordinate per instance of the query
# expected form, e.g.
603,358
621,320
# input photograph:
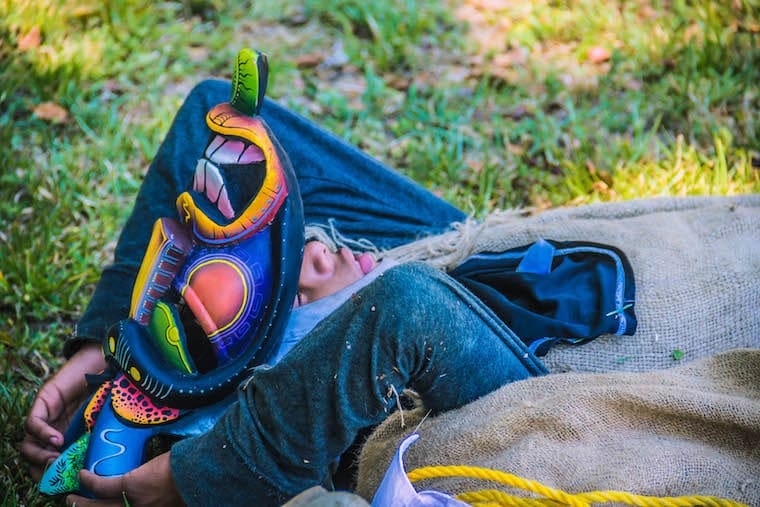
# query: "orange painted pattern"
134,406
95,404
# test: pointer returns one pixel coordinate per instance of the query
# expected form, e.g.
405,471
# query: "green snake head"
249,81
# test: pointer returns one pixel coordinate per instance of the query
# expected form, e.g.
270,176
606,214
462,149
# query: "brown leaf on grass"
598,54
309,60
647,12
606,177
398,82
52,112
30,40
692,32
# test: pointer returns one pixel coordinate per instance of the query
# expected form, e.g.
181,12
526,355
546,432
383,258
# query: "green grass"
490,108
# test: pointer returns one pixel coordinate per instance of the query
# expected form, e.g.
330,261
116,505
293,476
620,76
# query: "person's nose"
317,264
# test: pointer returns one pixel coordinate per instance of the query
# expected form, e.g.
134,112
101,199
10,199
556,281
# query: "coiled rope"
552,496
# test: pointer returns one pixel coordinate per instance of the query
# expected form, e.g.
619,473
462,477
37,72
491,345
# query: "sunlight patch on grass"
488,103
679,170
57,38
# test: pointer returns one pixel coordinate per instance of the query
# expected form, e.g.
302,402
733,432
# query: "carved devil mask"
210,300
232,260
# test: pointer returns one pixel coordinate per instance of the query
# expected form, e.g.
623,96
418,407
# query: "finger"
37,424
103,487
32,444
38,456
80,501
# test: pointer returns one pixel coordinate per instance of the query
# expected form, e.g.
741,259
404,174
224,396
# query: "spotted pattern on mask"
95,404
133,405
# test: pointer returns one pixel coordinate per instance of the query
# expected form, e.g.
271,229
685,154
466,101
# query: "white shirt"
305,318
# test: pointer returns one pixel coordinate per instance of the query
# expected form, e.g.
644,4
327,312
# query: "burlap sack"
692,428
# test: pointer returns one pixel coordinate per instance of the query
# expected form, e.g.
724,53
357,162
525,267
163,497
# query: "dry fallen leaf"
30,40
309,60
692,32
647,12
398,81
52,112
598,54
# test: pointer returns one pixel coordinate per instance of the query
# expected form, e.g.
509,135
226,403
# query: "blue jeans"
337,182
412,327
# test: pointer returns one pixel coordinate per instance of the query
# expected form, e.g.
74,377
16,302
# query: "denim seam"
517,346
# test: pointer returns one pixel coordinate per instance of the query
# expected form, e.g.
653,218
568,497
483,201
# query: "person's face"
324,272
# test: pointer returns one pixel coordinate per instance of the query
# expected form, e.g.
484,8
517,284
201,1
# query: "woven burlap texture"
696,262
692,429
688,420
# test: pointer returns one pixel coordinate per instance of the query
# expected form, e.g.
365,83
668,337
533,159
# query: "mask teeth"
227,152
252,155
230,151
213,146
208,180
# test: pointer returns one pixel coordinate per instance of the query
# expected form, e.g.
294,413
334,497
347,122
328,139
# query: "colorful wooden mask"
211,298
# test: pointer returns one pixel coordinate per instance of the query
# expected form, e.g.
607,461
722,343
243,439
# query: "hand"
146,486
53,407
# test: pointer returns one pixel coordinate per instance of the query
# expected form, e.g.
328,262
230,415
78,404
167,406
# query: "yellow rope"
496,498
553,496
497,476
